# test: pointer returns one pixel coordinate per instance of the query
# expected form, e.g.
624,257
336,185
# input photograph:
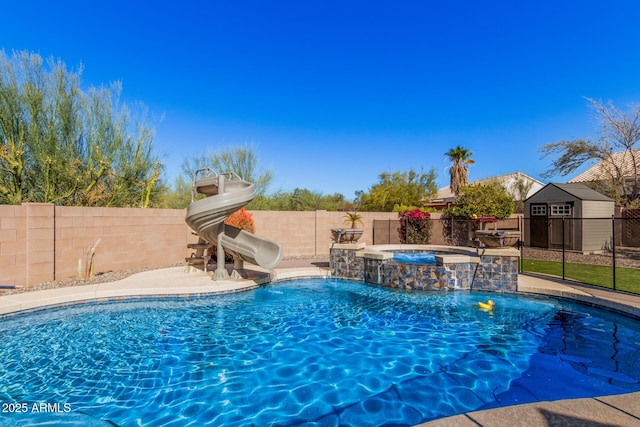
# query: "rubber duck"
486,306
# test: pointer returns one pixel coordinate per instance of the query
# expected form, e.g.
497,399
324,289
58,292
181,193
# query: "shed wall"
596,225
597,209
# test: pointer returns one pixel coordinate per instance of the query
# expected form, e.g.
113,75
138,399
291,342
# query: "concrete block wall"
295,231
26,244
128,238
13,245
308,234
40,250
41,242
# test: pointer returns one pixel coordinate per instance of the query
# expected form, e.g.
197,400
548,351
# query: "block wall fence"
40,242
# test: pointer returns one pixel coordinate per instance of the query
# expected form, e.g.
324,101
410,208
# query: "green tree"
619,132
60,144
241,160
460,158
478,200
302,199
14,128
178,196
408,188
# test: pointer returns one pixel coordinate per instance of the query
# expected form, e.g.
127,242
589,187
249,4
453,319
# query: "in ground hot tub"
428,267
425,268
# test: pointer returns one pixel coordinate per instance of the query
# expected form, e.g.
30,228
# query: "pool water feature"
329,352
415,257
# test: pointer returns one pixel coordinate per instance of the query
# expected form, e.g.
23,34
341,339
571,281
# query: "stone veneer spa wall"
455,268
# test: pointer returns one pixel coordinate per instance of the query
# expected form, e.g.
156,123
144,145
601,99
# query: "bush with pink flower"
415,226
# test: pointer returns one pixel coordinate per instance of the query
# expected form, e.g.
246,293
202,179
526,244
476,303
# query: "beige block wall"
308,234
40,225
295,231
43,242
123,237
26,244
13,245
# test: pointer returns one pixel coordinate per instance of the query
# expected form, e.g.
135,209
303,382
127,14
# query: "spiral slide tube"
225,194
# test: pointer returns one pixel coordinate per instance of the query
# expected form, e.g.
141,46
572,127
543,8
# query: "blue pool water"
313,352
415,257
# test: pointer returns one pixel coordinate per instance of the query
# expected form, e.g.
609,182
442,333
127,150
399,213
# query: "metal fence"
386,231
597,251
444,231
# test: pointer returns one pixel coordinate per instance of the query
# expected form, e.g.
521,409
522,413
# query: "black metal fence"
597,251
444,231
386,231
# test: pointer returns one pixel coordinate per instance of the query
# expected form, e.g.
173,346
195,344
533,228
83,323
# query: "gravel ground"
625,257
101,277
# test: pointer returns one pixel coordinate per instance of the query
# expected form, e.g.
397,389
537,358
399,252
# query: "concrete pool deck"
618,410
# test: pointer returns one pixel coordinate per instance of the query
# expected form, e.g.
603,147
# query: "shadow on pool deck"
619,410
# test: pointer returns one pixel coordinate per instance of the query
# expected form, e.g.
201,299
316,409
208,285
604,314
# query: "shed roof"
578,190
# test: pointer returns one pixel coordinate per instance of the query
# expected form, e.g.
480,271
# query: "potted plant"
348,235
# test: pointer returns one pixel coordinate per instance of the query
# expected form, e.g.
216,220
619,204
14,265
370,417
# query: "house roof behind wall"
606,169
445,193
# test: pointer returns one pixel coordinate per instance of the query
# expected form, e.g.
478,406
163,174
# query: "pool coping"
622,410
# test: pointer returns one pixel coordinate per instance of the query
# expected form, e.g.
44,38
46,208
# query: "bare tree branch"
571,155
619,133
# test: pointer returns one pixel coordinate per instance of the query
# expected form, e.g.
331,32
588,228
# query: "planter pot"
498,238
346,235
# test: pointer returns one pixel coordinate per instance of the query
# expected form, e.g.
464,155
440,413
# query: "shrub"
415,226
242,219
483,200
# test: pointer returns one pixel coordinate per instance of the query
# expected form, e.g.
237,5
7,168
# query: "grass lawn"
627,279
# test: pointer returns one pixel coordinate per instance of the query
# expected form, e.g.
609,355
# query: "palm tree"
460,157
353,218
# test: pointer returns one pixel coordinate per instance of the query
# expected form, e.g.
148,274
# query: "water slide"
225,194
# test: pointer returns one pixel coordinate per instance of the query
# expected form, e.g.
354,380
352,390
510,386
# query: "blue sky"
333,93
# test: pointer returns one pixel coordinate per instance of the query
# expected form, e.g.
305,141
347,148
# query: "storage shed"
583,214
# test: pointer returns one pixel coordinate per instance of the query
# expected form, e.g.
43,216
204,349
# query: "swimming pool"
328,352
